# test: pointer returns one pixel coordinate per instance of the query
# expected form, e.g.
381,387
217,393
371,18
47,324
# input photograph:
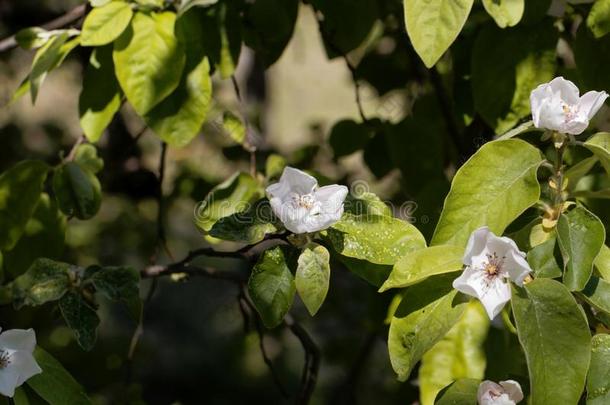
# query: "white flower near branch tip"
505,393
490,262
557,106
301,205
17,364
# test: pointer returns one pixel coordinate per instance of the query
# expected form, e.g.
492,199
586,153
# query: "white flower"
557,106
490,262
558,7
505,393
17,364
302,206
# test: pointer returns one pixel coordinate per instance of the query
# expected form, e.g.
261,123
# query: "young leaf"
20,189
116,283
506,13
426,313
106,23
434,25
274,166
378,239
100,98
271,286
421,264
494,187
148,60
461,392
313,276
33,37
78,192
46,280
234,127
250,226
581,236
55,384
598,379
81,318
598,20
87,159
599,144
555,336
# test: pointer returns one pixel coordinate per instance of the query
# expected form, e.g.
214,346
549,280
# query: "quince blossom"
505,393
17,364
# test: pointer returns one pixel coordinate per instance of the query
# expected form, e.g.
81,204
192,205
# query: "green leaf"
555,336
148,60
591,55
426,313
374,274
81,318
100,97
348,136
274,166
186,5
599,144
234,127
458,355
55,384
272,287
250,226
514,74
375,238
313,276
106,23
20,189
87,159
232,196
598,380
597,294
421,264
32,37
116,283
602,263
542,259
78,192
496,185
506,13
575,173
581,236
43,236
45,281
228,21
598,20
178,118
461,392
433,25
365,203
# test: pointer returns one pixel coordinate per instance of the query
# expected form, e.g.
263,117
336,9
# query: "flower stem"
558,178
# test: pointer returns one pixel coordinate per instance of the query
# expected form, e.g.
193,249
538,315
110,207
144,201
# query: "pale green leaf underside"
104,24
506,13
313,276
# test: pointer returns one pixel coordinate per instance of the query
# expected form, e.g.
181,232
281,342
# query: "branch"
60,22
312,359
249,134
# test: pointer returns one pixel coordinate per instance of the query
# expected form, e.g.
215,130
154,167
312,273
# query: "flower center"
306,201
4,359
494,264
570,111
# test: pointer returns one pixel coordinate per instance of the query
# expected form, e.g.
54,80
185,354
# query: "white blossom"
491,261
17,364
505,393
557,106
302,206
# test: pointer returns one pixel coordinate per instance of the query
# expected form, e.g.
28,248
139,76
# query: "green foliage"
461,392
250,226
493,188
597,294
599,144
45,281
598,20
542,259
313,276
506,13
106,23
555,337
581,236
272,287
33,37
81,317
598,380
348,136
590,54
78,191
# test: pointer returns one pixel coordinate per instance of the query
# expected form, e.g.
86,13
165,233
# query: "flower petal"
483,393
495,296
537,97
331,198
18,339
8,382
591,102
476,244
568,92
466,282
517,267
291,217
25,366
513,389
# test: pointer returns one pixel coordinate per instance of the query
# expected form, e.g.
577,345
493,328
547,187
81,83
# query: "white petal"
291,217
551,115
300,182
513,389
331,199
485,388
537,97
567,90
517,267
465,282
25,365
8,382
476,244
591,102
18,339
495,296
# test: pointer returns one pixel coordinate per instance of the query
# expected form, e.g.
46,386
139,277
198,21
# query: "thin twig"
249,146
312,359
66,19
72,154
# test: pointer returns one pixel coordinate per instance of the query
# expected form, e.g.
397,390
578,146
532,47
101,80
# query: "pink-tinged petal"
513,389
567,90
591,102
575,126
18,339
476,244
485,388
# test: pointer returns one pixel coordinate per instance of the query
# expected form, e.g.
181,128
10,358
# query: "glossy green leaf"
602,263
433,25
46,280
501,90
496,185
378,239
542,259
100,98
458,355
365,203
20,189
43,236
598,380
313,276
506,13
81,318
148,60
598,19
555,336
597,294
271,286
106,23
55,384
232,196
575,173
421,264
374,274
461,392
78,192
426,313
581,236
250,226
599,144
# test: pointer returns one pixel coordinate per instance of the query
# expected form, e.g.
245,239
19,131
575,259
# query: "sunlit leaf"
506,13
78,192
104,24
313,276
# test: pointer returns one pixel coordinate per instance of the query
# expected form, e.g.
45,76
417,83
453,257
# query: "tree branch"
312,359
